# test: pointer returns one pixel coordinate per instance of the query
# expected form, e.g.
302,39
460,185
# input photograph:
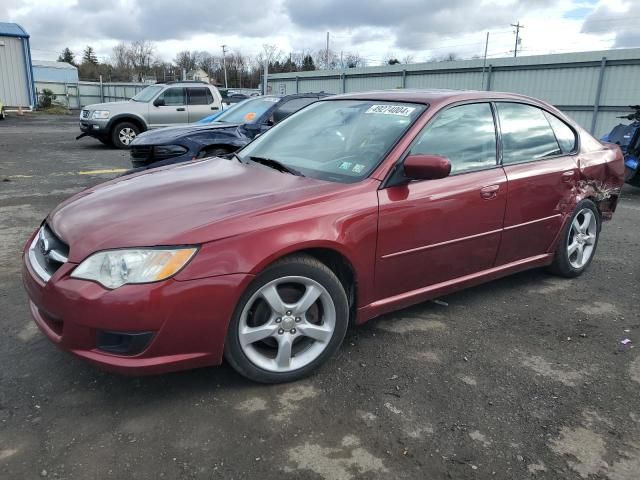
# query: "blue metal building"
48,71
17,87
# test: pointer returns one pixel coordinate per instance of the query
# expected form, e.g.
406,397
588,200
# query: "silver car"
159,105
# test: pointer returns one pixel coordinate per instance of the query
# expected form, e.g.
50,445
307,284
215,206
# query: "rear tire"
290,320
578,242
123,134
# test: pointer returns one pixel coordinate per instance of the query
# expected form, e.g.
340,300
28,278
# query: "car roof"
431,96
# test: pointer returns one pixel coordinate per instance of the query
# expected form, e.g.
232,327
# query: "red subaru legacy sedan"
355,206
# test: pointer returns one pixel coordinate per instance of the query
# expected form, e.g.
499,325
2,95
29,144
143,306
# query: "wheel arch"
127,117
333,257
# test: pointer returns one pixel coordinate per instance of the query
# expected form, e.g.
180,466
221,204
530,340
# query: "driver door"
435,231
170,108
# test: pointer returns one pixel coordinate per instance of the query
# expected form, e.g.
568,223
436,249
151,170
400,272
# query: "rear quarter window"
565,135
526,133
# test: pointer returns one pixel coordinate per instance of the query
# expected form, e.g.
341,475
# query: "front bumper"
94,128
188,319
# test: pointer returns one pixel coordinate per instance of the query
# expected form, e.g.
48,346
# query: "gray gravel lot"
523,377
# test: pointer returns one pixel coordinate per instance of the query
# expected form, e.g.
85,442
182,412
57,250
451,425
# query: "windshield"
147,94
248,111
339,140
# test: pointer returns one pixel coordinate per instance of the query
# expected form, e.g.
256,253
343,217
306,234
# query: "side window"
466,135
290,107
199,96
526,133
564,134
173,97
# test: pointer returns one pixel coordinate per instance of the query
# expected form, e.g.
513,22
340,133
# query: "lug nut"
281,331
298,319
288,312
292,331
278,320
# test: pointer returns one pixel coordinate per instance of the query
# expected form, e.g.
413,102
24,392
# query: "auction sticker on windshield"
399,110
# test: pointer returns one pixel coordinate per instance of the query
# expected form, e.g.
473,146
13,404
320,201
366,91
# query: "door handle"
180,109
489,192
214,108
568,176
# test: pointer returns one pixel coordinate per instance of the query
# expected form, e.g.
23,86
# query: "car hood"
182,204
167,134
109,105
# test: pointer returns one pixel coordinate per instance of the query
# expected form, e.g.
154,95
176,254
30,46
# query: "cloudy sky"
421,29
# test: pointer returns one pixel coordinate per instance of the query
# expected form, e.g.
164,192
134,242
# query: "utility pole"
484,62
327,59
517,27
224,64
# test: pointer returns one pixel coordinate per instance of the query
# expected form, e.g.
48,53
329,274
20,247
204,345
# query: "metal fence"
77,95
591,87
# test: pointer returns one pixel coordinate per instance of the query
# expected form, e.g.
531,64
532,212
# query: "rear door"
541,167
200,103
170,108
433,231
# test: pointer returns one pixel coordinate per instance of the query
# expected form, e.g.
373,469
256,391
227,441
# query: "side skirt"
413,297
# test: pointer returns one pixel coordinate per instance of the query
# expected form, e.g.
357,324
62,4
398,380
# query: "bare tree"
186,60
354,60
407,59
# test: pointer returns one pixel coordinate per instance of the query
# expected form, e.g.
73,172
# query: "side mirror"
159,102
426,167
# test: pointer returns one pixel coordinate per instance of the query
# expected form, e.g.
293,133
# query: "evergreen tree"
89,56
307,63
67,56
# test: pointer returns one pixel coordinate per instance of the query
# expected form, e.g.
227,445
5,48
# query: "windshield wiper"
275,164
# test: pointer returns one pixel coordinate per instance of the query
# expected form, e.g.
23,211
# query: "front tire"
579,240
3,115
123,134
291,319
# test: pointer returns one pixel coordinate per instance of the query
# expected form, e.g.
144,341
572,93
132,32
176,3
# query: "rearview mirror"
426,167
159,102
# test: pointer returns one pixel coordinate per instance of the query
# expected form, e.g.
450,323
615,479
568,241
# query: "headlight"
100,114
114,268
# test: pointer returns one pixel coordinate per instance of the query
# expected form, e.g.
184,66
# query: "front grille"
141,153
84,114
47,253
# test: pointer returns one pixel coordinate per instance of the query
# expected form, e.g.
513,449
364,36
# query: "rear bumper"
188,319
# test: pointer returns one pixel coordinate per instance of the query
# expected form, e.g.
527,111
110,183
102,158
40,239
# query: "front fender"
127,116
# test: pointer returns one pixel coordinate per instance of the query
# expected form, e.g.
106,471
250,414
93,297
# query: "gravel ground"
523,377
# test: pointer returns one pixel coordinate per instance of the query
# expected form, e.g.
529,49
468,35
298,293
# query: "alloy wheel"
127,135
287,324
582,238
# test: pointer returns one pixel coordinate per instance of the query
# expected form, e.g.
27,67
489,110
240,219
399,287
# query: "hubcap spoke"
573,247
250,335
580,257
590,240
586,221
316,332
272,297
310,296
283,358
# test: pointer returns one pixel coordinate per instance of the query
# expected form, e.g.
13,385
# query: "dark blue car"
229,131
